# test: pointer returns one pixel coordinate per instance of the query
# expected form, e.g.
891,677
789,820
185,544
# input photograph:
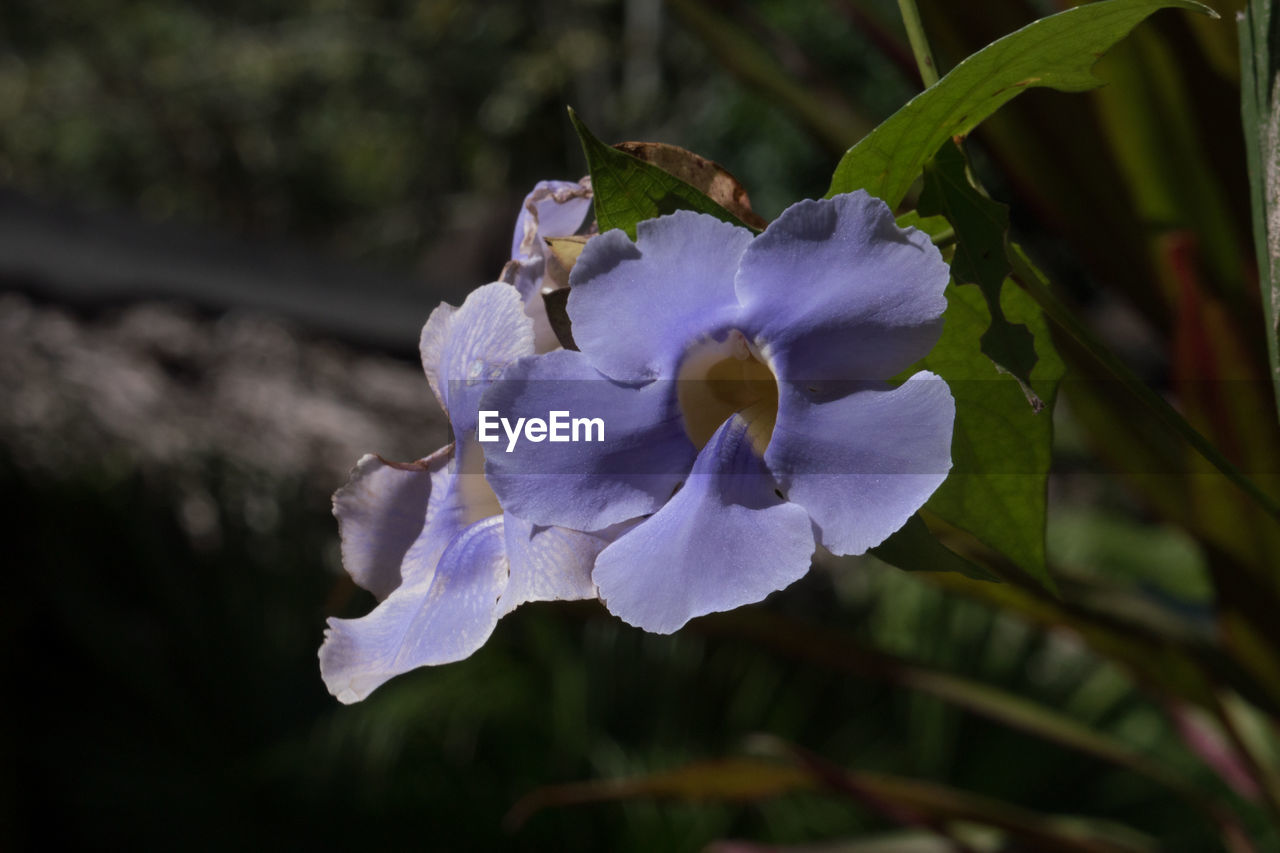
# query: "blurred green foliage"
170,691
338,123
356,126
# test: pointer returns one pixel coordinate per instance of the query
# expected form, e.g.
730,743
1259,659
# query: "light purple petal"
551,209
381,513
863,464
833,289
724,540
585,485
460,494
459,498
431,347
548,563
635,306
440,621
535,308
466,348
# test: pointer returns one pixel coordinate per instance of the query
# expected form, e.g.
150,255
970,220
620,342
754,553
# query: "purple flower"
429,539
743,385
552,209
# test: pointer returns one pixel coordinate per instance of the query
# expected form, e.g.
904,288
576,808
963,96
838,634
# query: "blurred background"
221,228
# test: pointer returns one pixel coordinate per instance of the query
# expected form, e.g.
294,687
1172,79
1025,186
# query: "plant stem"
919,43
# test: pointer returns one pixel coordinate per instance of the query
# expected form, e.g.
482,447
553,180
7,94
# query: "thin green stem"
919,43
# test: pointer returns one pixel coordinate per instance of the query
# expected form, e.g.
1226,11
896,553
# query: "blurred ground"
159,389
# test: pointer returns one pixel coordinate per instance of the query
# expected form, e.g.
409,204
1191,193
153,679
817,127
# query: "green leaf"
914,548
731,779
1058,52
1134,553
1261,107
937,227
1020,713
903,800
705,176
842,652
940,806
981,227
1001,448
628,190
1171,664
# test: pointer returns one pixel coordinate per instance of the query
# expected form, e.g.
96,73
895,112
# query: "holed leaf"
981,226
1058,51
1001,448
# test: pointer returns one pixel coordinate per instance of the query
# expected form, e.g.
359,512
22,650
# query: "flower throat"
718,379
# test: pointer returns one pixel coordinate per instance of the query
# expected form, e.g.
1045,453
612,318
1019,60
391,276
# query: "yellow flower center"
720,378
